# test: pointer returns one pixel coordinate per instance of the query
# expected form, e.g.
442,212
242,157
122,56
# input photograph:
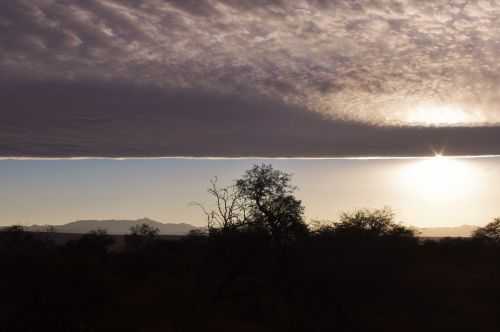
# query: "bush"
490,232
365,222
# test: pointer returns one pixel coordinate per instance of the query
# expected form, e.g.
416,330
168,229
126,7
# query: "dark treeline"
257,267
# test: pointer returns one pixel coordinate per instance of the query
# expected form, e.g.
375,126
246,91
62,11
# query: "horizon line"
20,158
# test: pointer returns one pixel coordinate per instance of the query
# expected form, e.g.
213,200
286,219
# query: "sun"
438,177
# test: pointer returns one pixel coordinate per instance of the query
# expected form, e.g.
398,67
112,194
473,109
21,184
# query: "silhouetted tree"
490,232
16,239
141,236
270,202
96,241
230,211
378,222
14,232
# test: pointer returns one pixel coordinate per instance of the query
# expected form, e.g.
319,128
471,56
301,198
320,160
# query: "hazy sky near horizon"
249,78
422,192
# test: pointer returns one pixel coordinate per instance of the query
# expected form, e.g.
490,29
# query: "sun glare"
440,115
439,178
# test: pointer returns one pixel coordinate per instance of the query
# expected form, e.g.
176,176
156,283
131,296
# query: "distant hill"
458,231
116,227
120,227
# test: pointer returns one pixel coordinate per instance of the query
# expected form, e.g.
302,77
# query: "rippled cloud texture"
261,77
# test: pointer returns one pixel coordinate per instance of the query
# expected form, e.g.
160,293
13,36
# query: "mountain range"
114,227
120,227
456,231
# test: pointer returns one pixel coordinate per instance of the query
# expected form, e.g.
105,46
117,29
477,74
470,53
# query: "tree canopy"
262,199
377,222
490,232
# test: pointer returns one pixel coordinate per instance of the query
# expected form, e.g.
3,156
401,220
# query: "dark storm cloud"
99,119
234,77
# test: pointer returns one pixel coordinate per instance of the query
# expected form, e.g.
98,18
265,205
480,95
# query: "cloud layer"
234,77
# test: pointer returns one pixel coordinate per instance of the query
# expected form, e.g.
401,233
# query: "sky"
424,192
271,78
248,79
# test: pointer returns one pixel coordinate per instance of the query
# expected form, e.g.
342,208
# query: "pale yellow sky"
433,192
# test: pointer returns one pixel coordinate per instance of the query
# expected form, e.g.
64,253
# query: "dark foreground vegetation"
258,267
